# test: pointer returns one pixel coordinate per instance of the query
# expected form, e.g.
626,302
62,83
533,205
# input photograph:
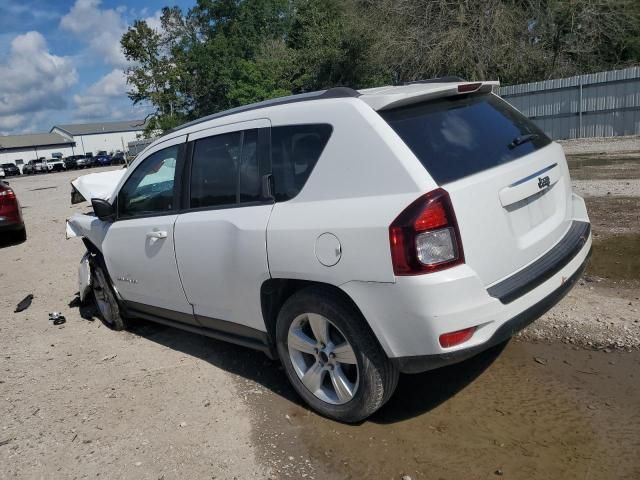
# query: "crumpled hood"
96,185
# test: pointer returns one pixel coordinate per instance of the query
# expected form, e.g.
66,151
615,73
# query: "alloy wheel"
323,359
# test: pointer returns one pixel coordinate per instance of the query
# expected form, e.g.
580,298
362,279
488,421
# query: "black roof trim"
336,92
448,79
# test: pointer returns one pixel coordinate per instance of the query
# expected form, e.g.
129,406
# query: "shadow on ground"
415,395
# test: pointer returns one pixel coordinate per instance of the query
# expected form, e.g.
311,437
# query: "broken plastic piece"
57,318
24,303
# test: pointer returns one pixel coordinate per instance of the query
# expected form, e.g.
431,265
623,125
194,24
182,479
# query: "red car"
11,222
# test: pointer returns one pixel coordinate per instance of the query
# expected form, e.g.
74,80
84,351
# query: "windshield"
459,136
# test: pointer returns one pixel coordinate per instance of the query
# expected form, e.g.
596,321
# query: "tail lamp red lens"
424,237
452,339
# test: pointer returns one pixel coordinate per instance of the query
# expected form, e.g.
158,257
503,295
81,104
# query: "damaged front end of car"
98,188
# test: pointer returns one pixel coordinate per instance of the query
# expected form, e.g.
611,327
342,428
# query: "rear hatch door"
508,183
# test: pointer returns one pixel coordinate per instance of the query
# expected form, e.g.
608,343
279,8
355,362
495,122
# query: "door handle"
157,234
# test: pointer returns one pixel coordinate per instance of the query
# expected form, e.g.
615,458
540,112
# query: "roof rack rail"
447,79
335,92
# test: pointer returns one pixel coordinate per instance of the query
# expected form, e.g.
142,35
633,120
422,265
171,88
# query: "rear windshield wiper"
522,139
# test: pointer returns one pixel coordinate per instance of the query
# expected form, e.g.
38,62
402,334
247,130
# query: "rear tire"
105,298
344,374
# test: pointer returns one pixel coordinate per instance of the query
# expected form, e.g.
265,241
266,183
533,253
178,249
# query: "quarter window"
150,188
295,149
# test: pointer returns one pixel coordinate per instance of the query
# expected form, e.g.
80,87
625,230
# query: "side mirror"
103,209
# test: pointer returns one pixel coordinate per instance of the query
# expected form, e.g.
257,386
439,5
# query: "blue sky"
60,61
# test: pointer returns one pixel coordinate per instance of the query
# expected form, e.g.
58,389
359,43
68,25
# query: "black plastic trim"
336,92
263,162
209,327
545,267
423,363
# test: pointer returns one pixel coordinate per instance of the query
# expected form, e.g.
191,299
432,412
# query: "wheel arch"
274,292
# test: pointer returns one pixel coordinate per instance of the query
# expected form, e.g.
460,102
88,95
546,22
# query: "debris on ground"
57,318
540,360
109,357
24,303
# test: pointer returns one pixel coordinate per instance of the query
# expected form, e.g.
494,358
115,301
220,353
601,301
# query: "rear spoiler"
394,97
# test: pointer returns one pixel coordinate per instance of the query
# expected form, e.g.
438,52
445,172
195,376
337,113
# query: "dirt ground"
81,401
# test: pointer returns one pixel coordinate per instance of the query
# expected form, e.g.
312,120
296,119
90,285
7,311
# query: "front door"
138,247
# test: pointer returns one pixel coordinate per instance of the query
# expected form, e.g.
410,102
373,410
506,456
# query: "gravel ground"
600,188
79,401
601,313
608,145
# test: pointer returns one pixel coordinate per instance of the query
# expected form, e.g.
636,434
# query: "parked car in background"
28,168
2,174
33,166
357,234
54,164
71,162
11,222
118,158
102,160
10,169
84,162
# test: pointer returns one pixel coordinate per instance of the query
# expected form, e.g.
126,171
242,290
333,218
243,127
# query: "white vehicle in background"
54,164
2,174
354,235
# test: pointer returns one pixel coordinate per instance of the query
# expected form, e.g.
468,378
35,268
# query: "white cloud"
154,21
100,29
97,100
32,80
107,100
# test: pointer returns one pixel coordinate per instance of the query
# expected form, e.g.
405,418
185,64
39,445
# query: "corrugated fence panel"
602,104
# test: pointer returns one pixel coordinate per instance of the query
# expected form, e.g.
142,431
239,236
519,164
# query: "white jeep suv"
352,234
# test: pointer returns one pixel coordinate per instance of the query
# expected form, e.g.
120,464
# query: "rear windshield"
459,136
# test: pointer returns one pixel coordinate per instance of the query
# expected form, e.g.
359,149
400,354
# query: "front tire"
331,357
105,298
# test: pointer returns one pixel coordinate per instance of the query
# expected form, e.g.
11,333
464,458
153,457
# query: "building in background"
91,138
19,149
74,139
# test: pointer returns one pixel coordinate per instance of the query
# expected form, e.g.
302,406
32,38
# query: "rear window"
459,136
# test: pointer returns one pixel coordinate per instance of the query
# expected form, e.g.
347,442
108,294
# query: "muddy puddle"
599,167
616,257
611,215
530,411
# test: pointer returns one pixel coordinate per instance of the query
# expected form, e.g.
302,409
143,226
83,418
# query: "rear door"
509,184
221,235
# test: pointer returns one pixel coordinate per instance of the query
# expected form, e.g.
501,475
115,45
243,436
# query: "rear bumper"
422,363
10,226
409,316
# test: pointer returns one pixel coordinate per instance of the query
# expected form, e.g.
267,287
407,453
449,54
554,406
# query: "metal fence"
137,146
603,104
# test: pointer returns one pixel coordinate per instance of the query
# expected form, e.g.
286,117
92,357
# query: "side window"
214,170
295,149
149,189
225,170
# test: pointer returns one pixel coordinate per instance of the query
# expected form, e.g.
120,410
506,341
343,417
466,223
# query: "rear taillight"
425,237
6,195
